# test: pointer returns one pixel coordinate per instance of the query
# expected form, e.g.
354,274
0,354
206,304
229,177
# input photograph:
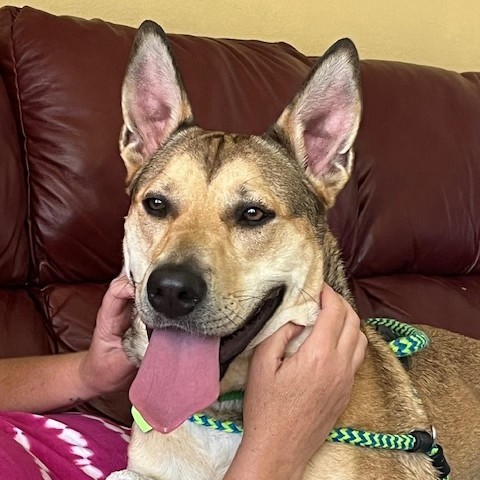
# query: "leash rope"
215,424
350,436
410,340
412,442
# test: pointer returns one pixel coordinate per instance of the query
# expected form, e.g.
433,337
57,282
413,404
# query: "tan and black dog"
226,240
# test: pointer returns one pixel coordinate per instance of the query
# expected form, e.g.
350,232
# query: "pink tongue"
179,376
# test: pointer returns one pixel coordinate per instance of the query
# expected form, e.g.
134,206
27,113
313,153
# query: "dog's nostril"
175,290
187,296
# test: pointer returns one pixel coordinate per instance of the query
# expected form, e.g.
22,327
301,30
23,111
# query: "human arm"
46,383
296,401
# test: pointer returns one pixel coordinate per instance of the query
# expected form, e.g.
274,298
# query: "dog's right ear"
154,101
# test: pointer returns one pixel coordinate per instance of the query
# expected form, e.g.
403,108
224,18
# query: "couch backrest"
408,221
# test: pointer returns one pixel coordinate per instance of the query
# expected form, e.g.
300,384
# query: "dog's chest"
219,447
192,451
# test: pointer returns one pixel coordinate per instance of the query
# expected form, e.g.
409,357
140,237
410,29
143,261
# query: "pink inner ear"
325,131
151,116
152,105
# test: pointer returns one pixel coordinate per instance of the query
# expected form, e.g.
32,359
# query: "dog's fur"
292,173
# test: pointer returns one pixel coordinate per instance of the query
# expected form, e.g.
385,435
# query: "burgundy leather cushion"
451,302
22,329
414,203
412,207
13,201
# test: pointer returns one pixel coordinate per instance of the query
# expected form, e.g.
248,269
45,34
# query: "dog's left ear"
320,125
154,101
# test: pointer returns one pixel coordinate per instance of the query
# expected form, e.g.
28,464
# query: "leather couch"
408,220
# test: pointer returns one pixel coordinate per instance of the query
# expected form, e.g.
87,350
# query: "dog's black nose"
175,290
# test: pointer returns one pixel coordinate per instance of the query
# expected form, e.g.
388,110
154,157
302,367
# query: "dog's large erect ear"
154,102
320,125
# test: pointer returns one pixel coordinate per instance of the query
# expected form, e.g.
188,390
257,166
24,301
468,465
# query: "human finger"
351,327
272,349
121,287
330,320
117,295
114,316
360,351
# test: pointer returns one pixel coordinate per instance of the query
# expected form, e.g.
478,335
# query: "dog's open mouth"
233,344
181,371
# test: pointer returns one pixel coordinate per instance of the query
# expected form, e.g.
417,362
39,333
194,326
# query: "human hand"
296,401
105,368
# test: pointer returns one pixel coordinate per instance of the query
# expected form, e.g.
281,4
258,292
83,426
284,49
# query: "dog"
225,241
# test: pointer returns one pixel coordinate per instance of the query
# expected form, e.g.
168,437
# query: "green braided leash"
360,438
410,340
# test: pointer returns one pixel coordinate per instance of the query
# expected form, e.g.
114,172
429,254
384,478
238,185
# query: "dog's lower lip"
149,332
235,343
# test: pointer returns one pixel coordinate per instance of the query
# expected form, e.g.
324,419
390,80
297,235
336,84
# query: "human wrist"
90,386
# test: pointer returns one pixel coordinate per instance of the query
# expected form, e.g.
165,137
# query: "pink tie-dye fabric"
66,446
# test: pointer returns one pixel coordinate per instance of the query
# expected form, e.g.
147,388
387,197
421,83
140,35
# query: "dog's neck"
334,269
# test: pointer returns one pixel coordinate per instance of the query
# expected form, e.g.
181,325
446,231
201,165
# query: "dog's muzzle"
176,290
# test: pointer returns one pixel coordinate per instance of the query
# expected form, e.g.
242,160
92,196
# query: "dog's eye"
156,206
253,216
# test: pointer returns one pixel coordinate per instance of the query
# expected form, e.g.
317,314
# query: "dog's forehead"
216,151
228,162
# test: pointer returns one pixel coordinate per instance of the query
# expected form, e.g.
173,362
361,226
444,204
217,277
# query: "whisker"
306,293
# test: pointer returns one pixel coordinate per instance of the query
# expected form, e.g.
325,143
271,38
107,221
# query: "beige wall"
444,33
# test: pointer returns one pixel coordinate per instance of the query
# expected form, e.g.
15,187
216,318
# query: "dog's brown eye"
156,206
254,216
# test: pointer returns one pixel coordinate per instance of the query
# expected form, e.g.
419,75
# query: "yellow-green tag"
140,421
